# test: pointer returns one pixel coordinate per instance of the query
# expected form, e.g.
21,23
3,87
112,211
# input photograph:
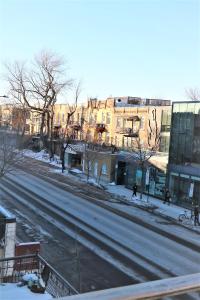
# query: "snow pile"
93,182
27,277
10,291
76,171
6,213
143,203
43,156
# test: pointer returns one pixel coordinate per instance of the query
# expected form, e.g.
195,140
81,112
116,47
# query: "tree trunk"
142,182
50,134
62,157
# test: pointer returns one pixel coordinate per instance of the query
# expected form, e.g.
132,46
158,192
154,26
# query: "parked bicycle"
186,215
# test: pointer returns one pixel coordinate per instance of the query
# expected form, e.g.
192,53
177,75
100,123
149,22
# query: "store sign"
191,190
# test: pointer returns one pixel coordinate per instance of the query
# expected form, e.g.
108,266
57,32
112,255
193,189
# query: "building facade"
118,121
184,154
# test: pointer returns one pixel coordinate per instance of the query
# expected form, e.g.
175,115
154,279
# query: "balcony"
129,132
133,119
13,268
100,128
75,126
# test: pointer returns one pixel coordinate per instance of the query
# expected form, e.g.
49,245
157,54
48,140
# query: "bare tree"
193,94
143,151
89,159
37,86
67,135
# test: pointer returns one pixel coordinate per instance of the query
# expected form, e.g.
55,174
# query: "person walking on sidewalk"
167,197
196,215
135,190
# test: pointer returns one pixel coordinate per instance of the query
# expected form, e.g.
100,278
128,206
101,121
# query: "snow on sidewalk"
172,210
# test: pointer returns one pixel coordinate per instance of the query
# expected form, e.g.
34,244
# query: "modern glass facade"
184,154
165,130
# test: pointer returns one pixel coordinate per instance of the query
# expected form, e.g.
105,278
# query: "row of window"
122,123
104,169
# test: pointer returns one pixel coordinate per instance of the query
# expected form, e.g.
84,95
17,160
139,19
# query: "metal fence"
185,287
13,268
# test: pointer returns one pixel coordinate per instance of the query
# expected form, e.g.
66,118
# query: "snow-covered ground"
43,156
10,291
173,211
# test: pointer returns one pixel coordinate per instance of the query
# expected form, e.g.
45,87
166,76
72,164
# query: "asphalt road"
84,269
46,211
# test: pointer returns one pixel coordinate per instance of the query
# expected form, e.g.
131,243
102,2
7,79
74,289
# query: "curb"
154,212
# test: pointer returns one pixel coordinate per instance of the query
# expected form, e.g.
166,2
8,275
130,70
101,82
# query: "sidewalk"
172,211
150,203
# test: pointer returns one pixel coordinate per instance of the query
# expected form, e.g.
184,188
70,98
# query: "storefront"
184,155
185,188
154,176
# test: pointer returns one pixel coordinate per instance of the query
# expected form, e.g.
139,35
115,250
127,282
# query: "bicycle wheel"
181,217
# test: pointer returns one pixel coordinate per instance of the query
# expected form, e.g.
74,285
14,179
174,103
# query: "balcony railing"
158,289
129,132
100,128
13,268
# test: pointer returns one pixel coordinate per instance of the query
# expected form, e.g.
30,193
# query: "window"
104,169
103,117
108,118
107,137
89,165
90,119
142,122
63,117
96,169
119,122
58,118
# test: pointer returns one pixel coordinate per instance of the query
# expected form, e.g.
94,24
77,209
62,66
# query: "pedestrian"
196,215
167,197
135,190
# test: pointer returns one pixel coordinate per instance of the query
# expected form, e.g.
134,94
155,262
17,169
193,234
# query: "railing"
158,289
13,268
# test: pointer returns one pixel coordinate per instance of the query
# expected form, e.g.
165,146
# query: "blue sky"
146,48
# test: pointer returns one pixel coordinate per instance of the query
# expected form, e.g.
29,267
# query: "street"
92,241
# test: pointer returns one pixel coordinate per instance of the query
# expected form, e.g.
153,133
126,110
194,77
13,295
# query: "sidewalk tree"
66,137
89,161
36,86
142,151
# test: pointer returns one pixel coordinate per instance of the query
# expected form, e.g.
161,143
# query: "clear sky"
147,48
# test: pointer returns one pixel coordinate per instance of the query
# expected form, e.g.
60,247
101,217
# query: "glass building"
184,154
165,130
